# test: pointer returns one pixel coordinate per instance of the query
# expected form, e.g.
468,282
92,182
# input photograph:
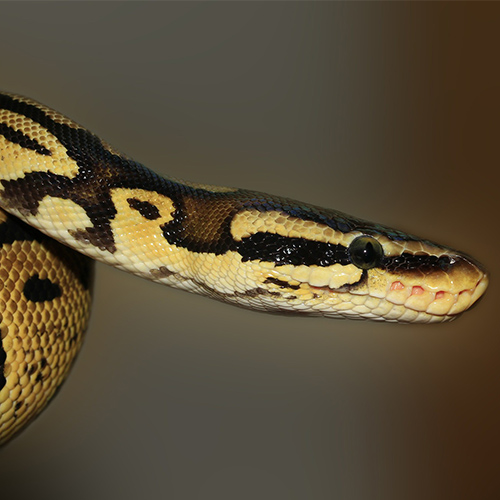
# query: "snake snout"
450,285
468,280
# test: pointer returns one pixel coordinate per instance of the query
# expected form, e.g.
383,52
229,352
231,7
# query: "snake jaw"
441,294
415,295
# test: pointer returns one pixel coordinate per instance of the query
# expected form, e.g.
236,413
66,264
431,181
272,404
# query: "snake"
68,198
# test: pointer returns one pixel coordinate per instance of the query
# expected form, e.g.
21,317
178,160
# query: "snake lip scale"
66,195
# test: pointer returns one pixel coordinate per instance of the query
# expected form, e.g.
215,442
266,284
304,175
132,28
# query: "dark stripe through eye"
295,251
410,262
364,252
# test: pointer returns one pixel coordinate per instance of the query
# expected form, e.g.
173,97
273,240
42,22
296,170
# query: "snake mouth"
438,302
407,304
418,296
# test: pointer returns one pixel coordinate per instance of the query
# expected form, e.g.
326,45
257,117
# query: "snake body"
243,247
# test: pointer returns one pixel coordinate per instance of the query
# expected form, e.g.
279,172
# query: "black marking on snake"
281,283
284,250
3,358
13,229
100,171
190,229
163,272
146,209
250,293
255,292
41,290
420,263
24,141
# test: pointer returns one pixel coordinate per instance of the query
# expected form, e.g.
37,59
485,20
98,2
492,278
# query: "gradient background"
386,111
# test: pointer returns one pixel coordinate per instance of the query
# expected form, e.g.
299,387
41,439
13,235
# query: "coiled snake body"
247,248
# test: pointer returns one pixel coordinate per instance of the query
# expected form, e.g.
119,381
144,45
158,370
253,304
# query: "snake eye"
365,252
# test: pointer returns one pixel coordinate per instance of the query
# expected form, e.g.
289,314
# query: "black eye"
365,252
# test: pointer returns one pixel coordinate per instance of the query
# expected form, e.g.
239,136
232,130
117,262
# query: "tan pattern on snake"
243,247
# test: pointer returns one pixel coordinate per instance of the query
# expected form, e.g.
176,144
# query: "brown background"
386,111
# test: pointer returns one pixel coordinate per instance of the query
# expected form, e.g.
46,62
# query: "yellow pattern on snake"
243,247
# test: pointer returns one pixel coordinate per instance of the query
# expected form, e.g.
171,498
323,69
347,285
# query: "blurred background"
385,111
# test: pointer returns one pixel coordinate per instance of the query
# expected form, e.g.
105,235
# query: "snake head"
327,263
412,280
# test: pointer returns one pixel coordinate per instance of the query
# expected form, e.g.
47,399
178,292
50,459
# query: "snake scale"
243,247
